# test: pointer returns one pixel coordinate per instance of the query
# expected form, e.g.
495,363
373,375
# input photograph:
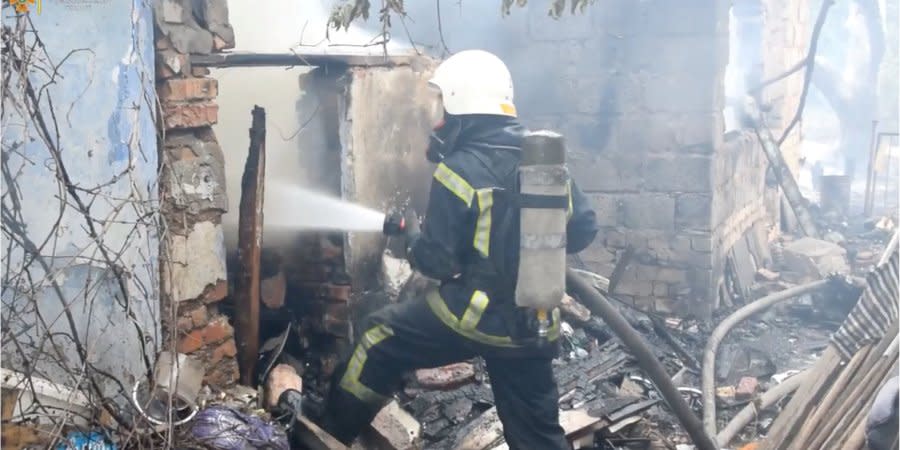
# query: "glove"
412,228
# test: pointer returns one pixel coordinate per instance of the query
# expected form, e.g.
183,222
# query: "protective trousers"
408,336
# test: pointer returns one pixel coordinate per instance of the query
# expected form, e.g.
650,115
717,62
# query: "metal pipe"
708,380
869,202
889,250
345,59
599,305
766,400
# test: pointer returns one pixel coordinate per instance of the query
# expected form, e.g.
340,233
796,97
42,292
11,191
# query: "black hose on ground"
599,305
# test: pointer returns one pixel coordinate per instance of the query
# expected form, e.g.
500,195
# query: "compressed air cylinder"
543,189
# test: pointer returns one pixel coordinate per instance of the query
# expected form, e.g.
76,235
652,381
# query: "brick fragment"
199,317
185,89
217,331
746,388
228,349
218,292
282,378
170,63
200,71
185,324
447,377
574,310
191,342
220,44
190,115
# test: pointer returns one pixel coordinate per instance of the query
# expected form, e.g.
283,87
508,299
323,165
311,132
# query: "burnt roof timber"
250,59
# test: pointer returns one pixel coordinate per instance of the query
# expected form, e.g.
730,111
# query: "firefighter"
881,423
468,242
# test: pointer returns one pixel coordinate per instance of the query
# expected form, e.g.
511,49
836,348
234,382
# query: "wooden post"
250,228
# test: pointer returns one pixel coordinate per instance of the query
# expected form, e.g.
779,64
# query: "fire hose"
708,381
599,305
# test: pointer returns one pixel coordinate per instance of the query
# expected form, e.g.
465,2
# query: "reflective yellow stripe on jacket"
482,241
350,381
468,324
454,183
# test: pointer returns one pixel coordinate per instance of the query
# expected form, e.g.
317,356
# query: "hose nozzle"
394,225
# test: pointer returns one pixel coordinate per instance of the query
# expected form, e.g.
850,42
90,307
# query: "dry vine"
104,231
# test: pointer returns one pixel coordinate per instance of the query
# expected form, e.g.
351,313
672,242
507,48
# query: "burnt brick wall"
192,188
745,202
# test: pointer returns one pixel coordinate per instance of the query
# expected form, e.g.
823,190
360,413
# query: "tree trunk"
856,108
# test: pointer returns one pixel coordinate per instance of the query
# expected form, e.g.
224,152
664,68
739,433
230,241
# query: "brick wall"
787,25
192,187
743,201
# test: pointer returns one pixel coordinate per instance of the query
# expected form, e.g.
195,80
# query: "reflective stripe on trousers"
467,325
350,381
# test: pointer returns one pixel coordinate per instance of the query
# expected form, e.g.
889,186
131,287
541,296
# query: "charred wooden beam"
787,182
250,229
297,59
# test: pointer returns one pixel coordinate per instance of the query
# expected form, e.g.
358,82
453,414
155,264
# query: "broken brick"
221,44
217,293
185,324
183,89
574,310
447,377
217,331
395,428
170,63
190,115
746,388
281,378
191,342
227,350
199,317
200,71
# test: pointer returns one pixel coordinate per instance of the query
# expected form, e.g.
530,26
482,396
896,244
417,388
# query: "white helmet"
475,82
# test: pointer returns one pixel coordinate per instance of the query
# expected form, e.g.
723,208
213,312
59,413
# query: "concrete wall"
383,153
104,106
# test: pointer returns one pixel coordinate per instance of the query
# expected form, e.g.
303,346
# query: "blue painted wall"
104,103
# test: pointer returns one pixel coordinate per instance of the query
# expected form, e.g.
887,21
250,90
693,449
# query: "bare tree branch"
810,64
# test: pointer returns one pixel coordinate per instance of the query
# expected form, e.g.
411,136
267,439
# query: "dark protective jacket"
469,240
